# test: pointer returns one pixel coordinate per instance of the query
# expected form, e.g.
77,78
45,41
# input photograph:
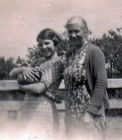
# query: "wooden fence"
12,109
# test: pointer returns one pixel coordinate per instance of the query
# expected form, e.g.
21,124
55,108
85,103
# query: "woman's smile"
47,47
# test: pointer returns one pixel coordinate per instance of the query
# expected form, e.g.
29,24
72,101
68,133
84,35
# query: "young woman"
40,108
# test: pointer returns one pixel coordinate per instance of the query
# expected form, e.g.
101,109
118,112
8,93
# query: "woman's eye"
76,31
73,31
46,43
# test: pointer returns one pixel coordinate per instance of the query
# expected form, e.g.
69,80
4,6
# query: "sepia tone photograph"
61,70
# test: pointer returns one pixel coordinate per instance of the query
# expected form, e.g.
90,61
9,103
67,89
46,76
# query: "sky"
22,20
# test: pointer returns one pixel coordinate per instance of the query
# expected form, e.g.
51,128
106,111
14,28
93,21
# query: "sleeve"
53,73
50,76
99,79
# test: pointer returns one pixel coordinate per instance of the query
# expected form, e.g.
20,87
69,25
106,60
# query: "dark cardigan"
97,79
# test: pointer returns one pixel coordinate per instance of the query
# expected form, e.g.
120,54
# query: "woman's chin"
48,56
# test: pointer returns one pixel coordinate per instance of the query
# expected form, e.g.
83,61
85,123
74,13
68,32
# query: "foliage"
111,44
5,67
34,56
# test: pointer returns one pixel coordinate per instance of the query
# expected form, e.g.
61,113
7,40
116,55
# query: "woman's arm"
27,72
42,85
99,81
16,71
36,88
49,77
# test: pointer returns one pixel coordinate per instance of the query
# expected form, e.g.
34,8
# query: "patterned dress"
39,110
77,97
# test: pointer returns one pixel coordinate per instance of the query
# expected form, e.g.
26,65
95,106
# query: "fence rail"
15,106
6,85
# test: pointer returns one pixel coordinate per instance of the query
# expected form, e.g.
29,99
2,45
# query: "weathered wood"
10,105
115,103
16,105
114,83
13,85
7,85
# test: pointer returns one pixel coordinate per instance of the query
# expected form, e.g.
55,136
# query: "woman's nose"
44,46
73,35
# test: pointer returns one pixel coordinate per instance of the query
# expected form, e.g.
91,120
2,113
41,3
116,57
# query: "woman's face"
46,46
76,34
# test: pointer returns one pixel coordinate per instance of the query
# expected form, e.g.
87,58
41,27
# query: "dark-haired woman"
38,107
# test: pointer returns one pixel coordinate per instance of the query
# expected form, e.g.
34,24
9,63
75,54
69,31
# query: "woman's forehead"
44,40
76,22
74,27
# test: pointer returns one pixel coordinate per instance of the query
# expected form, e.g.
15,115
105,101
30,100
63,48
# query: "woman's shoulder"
94,49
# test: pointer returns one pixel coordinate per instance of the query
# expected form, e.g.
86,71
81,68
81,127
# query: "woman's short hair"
78,20
49,34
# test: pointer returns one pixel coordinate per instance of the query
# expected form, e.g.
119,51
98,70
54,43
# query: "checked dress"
39,109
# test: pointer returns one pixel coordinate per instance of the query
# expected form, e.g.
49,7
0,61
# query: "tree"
35,56
5,67
111,44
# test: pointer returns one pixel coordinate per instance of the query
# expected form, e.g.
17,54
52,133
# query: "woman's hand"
28,73
89,122
15,71
88,118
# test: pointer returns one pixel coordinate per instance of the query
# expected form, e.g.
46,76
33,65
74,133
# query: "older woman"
85,81
37,107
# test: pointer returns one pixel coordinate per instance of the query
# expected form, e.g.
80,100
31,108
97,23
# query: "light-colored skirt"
40,114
